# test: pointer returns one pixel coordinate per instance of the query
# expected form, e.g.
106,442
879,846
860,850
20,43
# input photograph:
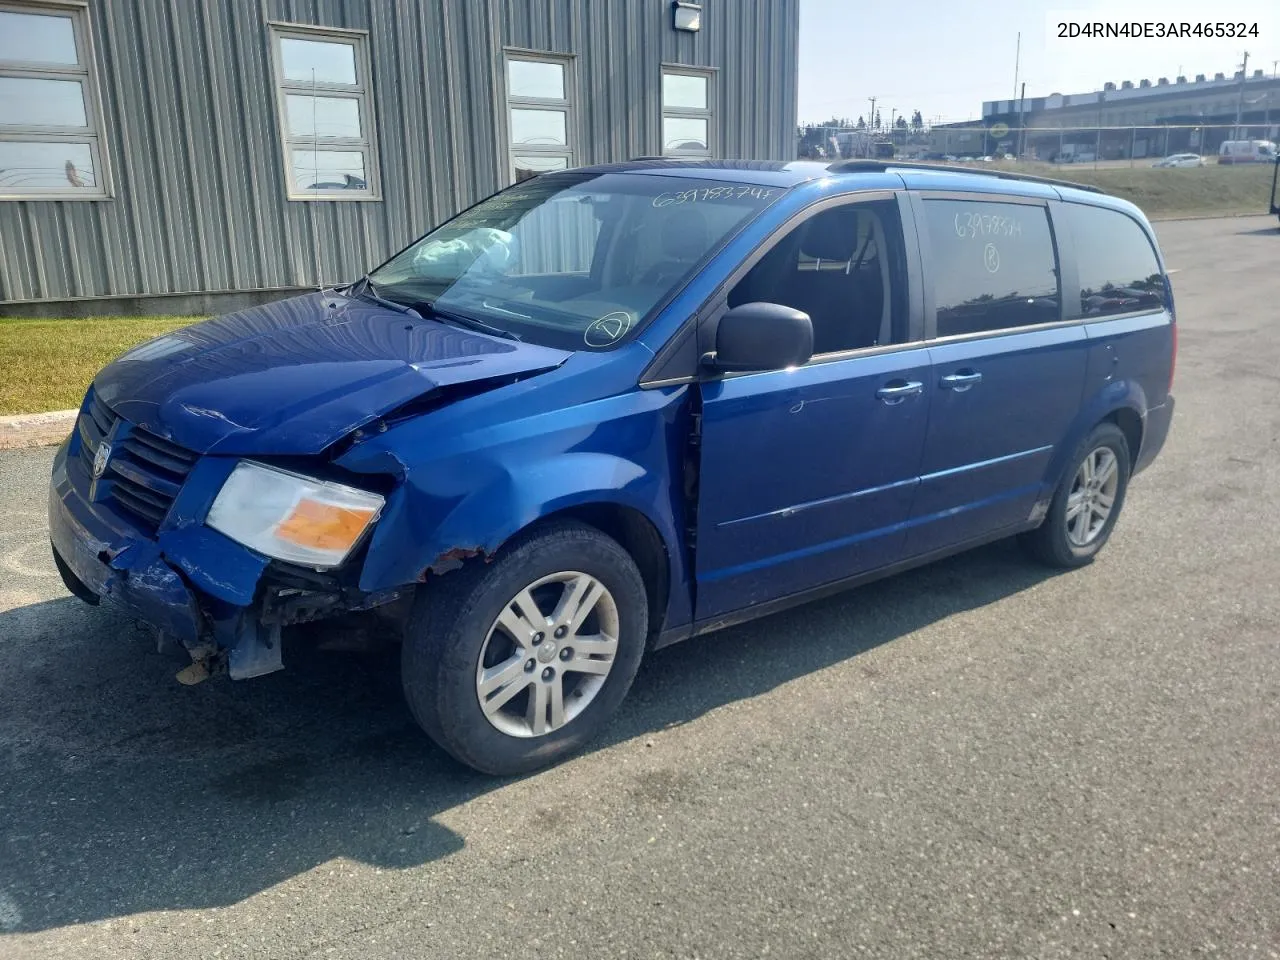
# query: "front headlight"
313,523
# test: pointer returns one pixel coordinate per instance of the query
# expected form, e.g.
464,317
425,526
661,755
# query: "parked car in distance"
613,408
1247,151
1180,160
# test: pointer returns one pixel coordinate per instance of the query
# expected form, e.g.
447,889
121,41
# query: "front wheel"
1087,502
515,664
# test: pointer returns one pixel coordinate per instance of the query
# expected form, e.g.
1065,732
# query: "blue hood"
293,376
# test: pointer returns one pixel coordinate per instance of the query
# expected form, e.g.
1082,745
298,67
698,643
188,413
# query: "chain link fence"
1100,146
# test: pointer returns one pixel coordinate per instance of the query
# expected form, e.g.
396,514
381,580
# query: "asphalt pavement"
976,759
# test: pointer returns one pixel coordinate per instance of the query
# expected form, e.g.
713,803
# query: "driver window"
846,268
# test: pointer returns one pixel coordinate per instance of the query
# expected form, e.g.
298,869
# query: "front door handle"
899,390
962,381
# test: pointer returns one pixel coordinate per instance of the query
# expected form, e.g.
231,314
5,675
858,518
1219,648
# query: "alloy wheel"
1092,496
548,654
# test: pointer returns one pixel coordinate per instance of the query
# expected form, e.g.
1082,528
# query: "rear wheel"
1087,502
515,664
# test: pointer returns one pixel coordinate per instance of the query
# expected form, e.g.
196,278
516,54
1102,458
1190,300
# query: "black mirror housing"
762,336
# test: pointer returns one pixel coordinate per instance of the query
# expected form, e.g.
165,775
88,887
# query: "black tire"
452,617
1049,542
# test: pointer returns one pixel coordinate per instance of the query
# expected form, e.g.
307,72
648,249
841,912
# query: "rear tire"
505,689
1086,504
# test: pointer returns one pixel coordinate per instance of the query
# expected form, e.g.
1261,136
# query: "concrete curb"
36,429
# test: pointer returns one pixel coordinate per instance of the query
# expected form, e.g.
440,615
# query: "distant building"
174,157
966,139
1155,119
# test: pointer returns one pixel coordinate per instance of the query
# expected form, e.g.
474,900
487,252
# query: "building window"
539,114
686,112
326,124
50,125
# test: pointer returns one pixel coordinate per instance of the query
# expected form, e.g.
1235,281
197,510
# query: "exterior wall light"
686,16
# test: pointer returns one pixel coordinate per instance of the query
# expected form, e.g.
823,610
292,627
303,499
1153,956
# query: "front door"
808,475
1007,373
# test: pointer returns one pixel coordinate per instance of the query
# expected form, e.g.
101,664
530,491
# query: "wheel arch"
1122,403
616,495
632,528
638,535
1130,423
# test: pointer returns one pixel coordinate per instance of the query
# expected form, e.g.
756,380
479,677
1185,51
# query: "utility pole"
871,125
1022,122
1244,75
1017,62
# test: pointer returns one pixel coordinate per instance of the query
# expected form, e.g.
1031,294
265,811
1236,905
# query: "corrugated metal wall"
199,193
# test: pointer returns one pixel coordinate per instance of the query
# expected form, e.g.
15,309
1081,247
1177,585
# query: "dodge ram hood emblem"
100,459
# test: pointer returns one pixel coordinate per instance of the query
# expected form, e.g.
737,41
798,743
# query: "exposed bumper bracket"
256,651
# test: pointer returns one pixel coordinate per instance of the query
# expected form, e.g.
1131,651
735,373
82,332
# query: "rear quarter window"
1116,263
994,265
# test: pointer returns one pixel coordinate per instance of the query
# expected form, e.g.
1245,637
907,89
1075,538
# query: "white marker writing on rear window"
971,226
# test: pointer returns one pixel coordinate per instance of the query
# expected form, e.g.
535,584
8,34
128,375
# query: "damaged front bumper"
224,603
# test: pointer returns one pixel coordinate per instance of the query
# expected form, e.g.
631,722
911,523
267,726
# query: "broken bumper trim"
138,579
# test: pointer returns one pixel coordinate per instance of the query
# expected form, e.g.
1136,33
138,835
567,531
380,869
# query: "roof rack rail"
880,166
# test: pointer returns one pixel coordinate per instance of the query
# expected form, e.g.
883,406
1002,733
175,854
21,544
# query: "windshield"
571,260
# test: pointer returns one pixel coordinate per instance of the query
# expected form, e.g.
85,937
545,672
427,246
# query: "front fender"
480,486
491,515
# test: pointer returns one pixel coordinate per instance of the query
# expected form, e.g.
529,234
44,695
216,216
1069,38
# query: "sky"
945,58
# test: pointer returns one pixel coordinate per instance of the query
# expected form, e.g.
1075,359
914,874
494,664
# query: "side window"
846,268
994,265
1117,265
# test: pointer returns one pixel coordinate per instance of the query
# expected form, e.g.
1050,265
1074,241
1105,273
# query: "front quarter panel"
470,483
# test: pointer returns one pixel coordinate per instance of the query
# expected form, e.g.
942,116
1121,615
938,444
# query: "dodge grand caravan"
613,408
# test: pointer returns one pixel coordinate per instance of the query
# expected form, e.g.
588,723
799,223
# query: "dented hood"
293,376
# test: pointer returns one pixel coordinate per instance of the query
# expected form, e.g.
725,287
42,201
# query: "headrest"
832,235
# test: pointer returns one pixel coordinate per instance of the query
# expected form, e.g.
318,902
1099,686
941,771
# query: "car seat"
683,240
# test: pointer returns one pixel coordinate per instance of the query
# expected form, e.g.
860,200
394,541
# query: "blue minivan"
612,408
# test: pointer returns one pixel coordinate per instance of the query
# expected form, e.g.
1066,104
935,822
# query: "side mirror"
762,336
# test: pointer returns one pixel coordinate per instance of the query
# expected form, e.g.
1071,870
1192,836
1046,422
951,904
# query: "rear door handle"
898,391
962,381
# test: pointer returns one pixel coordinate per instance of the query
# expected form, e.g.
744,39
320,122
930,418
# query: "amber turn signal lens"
323,525
291,517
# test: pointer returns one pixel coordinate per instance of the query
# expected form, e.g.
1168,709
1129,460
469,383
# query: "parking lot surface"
976,759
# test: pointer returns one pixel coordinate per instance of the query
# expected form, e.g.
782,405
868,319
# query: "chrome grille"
145,471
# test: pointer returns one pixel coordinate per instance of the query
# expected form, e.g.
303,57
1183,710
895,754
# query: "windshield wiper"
429,308
367,291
